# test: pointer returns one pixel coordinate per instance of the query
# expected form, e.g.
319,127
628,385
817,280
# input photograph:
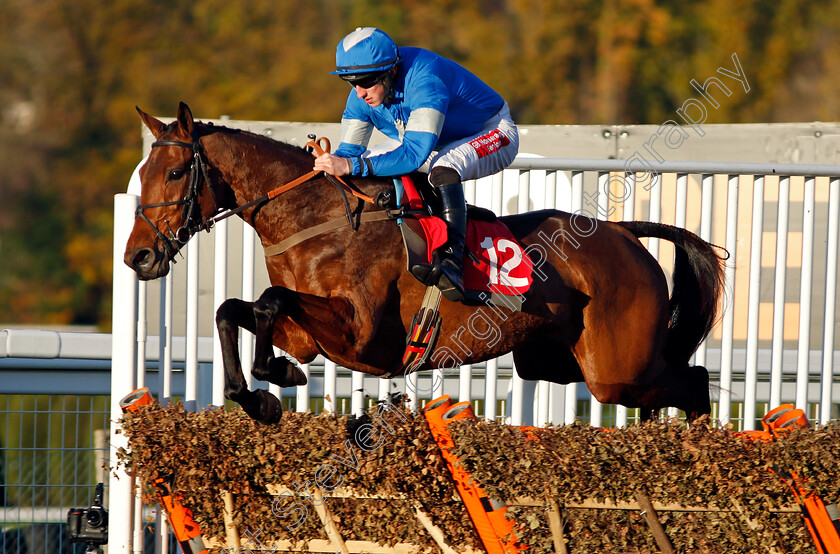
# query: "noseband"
194,221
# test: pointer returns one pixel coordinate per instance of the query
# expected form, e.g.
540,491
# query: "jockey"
438,117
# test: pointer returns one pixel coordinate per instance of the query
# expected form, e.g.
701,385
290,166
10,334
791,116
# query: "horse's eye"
175,174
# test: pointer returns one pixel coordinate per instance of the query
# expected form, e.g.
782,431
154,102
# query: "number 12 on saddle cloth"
495,263
500,265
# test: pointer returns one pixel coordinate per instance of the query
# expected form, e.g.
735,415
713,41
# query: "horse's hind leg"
702,404
259,404
686,388
546,360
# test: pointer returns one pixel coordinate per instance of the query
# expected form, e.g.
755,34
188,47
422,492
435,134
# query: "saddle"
497,270
496,267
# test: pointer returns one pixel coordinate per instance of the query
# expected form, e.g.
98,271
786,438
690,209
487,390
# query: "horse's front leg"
267,367
328,319
259,404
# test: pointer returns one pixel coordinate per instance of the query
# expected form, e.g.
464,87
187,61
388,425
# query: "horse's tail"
698,283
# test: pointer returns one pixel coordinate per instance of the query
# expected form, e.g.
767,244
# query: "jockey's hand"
332,164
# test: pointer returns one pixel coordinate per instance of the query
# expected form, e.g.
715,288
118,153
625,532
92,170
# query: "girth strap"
320,229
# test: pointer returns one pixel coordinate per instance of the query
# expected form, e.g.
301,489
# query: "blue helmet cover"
365,50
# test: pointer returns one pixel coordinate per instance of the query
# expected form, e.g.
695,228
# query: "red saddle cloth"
498,262
503,266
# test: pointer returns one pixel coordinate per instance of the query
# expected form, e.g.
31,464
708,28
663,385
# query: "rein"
191,214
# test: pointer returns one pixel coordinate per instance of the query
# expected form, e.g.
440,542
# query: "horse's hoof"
295,376
284,373
263,407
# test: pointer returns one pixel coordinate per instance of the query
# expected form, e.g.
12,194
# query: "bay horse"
599,311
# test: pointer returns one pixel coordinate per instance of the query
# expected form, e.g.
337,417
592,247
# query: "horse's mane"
268,144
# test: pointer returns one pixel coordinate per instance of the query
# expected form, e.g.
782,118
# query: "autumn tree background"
72,72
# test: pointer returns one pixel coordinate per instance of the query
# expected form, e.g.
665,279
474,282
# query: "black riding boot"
454,213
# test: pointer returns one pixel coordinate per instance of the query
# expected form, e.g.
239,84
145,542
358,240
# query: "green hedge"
213,450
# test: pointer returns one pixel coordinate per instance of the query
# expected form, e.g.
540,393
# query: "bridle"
194,221
191,213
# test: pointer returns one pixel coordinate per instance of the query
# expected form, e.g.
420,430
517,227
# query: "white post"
123,373
465,383
437,383
570,403
140,381
410,392
550,194
384,389
779,293
142,332
220,234
165,342
830,299
603,211
543,401
680,216
491,376
191,370
805,291
751,371
357,396
330,378
726,345
164,385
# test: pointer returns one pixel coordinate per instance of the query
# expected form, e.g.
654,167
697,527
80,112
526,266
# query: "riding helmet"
365,51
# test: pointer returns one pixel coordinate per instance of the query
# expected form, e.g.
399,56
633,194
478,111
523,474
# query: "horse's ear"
154,125
185,119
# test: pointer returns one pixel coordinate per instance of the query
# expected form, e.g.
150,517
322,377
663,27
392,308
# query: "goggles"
364,80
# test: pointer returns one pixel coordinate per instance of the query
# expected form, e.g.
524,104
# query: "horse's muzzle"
147,263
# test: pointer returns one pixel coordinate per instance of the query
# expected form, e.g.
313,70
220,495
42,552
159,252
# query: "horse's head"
176,198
